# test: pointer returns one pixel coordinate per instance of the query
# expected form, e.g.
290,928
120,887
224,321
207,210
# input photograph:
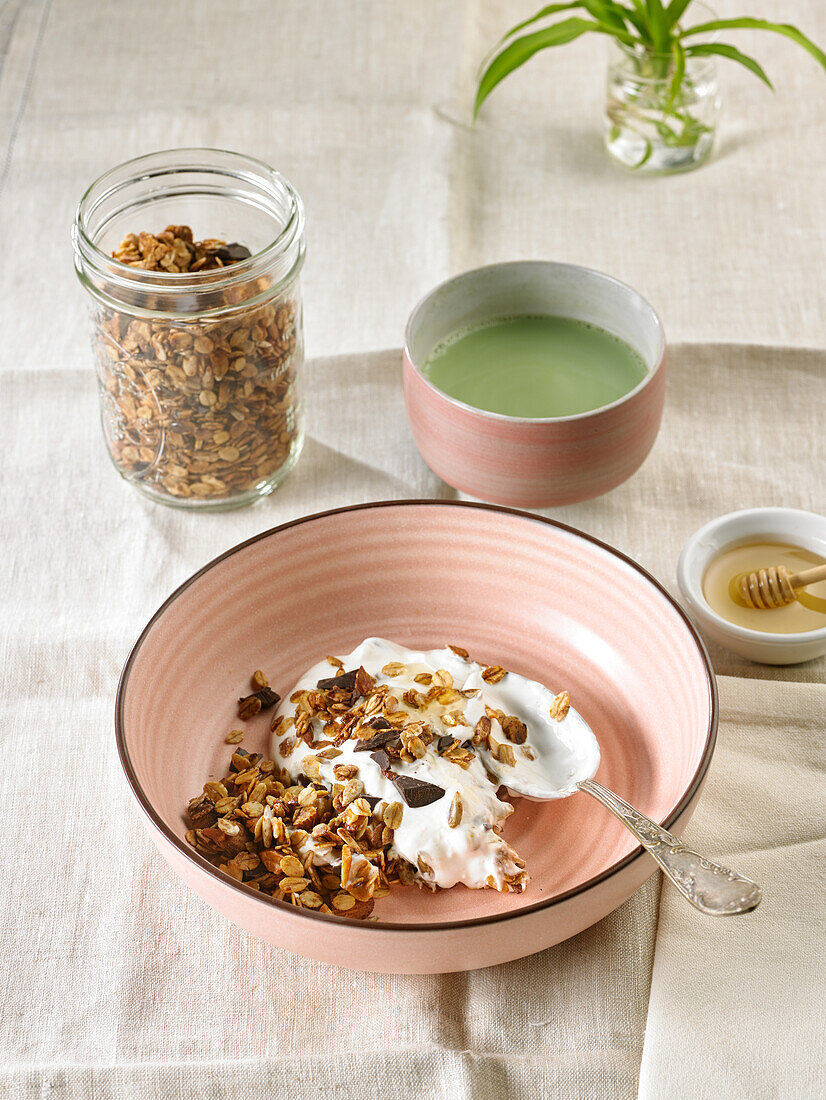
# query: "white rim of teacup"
692,587
422,304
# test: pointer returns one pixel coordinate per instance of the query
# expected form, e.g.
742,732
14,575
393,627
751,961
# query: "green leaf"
551,9
609,22
761,25
519,51
606,13
674,10
659,25
639,21
679,72
649,149
707,49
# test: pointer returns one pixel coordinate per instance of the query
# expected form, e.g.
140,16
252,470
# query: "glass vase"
654,123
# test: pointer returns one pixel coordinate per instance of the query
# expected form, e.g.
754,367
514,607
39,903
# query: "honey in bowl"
807,612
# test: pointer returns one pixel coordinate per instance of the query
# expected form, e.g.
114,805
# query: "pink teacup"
534,463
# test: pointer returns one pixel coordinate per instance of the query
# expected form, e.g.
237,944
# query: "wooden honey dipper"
774,587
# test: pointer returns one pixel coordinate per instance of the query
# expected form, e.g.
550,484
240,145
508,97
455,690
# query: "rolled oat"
199,410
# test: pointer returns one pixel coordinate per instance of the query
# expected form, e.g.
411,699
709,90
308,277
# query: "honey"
808,612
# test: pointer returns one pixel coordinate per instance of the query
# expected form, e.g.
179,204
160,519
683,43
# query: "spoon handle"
710,888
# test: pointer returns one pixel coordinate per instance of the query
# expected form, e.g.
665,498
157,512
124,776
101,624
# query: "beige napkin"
737,1004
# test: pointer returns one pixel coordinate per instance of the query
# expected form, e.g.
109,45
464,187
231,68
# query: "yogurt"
553,755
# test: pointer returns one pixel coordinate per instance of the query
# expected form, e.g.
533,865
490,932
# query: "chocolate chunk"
357,680
232,253
378,723
268,697
378,741
345,681
382,759
250,705
371,800
445,742
416,792
469,744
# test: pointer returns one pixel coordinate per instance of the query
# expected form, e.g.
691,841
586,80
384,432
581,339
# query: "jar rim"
166,161
699,64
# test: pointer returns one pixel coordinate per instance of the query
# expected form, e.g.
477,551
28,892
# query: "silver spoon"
709,887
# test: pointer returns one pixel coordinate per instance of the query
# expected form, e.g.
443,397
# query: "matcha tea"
535,366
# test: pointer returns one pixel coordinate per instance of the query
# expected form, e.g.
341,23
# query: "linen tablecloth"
117,981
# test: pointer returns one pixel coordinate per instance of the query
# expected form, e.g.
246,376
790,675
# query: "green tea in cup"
536,366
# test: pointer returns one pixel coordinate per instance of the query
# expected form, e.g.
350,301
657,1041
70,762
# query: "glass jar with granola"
191,259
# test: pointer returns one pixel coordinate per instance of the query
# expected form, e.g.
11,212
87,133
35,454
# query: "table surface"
119,981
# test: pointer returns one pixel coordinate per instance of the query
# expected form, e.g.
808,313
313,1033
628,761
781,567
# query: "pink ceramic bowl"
533,463
425,573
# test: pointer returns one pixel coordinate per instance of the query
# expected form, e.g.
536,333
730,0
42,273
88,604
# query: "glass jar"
197,369
650,124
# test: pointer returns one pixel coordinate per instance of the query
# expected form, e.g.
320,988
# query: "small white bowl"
803,529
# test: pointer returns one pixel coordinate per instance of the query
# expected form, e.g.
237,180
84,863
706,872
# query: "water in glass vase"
535,366
652,126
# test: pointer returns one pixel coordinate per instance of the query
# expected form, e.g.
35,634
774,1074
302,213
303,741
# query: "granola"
373,783
403,730
329,851
199,410
254,825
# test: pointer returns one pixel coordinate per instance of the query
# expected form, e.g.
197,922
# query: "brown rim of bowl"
396,926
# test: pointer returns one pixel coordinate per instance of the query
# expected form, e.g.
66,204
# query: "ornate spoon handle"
710,888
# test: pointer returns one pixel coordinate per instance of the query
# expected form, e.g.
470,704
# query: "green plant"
652,29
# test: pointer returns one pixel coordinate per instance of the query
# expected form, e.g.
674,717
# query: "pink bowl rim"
486,413
201,862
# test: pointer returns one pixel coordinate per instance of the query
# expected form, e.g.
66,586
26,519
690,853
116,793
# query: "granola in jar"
198,349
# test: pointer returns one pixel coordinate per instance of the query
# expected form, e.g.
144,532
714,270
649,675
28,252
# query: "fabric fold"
736,1006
